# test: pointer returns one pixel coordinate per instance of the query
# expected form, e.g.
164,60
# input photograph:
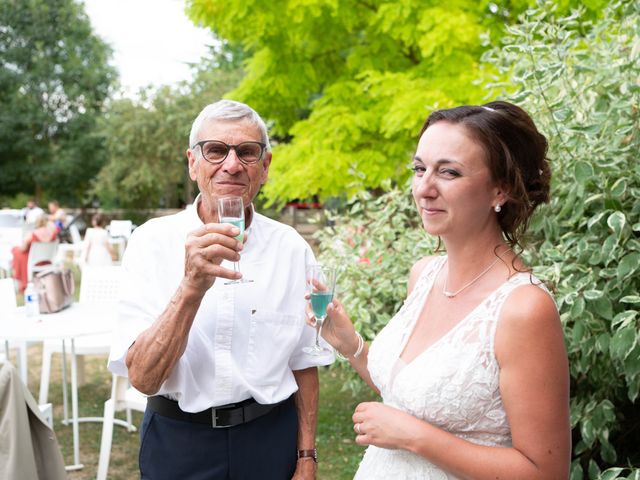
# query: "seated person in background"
44,231
31,212
97,249
57,215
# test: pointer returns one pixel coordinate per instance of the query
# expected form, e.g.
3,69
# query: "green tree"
54,77
347,82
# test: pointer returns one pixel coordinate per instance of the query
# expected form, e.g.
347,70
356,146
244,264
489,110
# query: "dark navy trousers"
264,448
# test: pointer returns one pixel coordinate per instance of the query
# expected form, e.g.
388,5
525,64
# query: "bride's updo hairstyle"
516,154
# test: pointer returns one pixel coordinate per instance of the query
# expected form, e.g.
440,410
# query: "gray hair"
228,110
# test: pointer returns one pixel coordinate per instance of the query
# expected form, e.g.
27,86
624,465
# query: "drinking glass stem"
320,321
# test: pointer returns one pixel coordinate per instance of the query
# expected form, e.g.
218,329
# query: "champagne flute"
231,210
321,280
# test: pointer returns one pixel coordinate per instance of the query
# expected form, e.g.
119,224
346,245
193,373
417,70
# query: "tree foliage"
54,77
347,82
579,80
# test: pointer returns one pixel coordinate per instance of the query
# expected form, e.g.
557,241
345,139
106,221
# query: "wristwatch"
312,453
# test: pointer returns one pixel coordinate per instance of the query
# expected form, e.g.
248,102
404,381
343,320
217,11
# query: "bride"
472,370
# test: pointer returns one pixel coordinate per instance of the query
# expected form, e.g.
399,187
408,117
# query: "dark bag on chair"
55,287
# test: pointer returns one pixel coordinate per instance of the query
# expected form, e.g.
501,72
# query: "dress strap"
497,302
416,298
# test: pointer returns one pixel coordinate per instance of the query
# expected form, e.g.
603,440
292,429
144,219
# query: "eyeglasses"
215,151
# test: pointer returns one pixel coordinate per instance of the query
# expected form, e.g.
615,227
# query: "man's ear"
266,163
193,164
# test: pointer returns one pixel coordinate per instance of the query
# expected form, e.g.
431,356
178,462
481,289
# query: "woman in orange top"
44,231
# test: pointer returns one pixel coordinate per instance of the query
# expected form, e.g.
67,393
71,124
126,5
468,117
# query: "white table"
78,320
9,237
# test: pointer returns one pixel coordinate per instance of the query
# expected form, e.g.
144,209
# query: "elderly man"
232,393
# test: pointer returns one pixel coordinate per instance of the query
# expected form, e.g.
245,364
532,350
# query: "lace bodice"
453,384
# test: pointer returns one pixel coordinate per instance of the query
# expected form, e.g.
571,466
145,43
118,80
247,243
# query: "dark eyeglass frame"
229,147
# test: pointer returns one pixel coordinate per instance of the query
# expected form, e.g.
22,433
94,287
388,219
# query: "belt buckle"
214,419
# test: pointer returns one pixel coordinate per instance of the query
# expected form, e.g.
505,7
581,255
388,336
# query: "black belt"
218,417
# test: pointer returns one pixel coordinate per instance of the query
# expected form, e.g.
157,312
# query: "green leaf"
603,307
632,362
583,171
624,318
595,219
630,299
635,475
602,342
578,307
576,471
609,247
616,222
619,188
622,342
609,455
588,432
592,294
594,470
611,473
634,389
628,265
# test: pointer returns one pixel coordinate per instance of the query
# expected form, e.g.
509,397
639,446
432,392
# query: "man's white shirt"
246,338
32,214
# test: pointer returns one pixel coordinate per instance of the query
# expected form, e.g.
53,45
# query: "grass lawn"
339,455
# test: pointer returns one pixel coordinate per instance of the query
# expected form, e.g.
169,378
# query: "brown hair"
516,155
99,219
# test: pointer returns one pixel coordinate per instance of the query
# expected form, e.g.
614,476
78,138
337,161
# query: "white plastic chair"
120,228
120,231
123,397
99,285
75,247
8,303
40,252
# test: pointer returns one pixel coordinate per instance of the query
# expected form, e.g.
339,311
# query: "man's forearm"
154,354
306,399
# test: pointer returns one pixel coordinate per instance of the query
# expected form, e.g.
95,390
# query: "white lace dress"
453,384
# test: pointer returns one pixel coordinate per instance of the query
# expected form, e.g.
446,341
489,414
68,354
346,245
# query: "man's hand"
305,469
205,249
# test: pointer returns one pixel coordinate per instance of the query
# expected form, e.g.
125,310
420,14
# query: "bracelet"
358,351
360,345
312,454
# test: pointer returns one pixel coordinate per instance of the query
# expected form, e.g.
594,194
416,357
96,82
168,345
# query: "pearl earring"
497,208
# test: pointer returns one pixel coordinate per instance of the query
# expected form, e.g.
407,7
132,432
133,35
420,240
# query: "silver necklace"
449,294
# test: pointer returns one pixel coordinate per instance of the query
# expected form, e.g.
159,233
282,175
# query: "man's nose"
232,163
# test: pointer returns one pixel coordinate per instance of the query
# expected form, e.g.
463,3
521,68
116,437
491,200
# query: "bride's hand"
337,328
384,426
